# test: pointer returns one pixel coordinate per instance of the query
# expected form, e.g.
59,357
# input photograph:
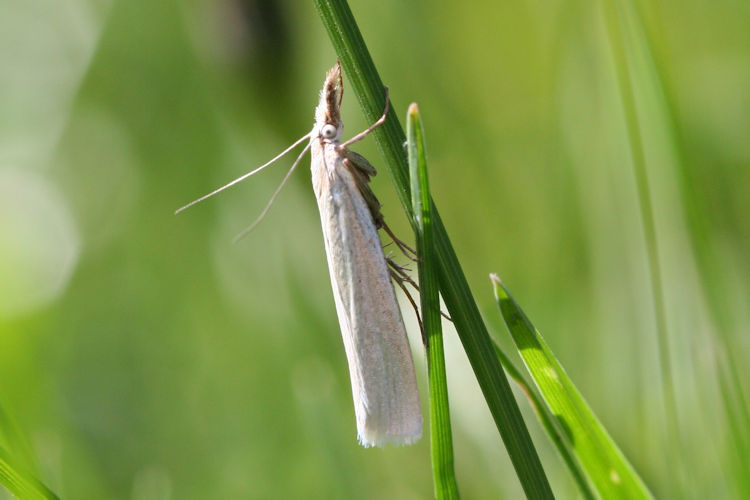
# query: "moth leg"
361,173
410,253
372,127
359,161
401,271
362,170
400,277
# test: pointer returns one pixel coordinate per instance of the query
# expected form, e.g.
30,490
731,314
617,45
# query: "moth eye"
328,131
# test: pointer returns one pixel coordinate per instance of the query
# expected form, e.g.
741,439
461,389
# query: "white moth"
386,401
384,388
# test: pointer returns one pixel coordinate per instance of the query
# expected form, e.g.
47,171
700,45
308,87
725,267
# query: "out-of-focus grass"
150,358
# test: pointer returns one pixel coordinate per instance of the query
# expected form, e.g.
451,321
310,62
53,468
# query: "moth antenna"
242,178
273,197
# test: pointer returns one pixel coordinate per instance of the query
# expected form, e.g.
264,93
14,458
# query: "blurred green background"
145,356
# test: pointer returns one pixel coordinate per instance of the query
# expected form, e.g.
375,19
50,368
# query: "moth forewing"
386,400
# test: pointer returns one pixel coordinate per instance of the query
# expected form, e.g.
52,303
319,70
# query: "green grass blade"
550,425
368,87
604,463
19,482
441,442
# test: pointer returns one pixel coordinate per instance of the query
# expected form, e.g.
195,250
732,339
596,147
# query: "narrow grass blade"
550,425
605,465
368,87
19,482
441,442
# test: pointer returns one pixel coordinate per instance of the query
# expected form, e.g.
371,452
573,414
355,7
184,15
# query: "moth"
384,388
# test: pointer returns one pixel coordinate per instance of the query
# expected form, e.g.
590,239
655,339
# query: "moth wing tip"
380,440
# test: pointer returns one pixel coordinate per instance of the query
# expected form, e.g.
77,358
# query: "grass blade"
444,476
550,425
19,482
604,463
368,87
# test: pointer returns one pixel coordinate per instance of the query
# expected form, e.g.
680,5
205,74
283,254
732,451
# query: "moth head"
327,114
